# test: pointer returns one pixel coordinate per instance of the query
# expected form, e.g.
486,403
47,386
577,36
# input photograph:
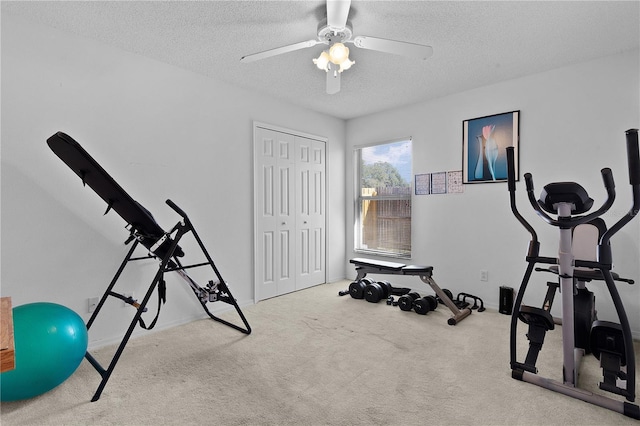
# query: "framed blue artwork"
484,143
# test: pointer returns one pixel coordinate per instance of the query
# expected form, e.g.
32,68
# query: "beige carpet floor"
318,359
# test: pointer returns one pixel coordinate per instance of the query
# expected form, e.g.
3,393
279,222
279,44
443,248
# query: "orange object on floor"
7,349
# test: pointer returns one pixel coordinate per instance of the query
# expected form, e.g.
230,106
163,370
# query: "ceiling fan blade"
337,14
402,48
278,51
333,81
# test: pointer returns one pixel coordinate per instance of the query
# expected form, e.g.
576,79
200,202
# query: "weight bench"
369,266
161,245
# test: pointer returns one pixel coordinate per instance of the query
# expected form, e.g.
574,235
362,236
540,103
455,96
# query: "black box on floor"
506,300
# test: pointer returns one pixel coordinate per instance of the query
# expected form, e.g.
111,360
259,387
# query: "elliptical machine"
582,333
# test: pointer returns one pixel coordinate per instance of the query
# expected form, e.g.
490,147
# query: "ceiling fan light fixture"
334,31
338,53
322,61
346,64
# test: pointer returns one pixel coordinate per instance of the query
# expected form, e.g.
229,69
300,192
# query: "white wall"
572,124
161,132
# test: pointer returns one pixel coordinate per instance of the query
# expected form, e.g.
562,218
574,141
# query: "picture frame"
423,184
439,183
484,143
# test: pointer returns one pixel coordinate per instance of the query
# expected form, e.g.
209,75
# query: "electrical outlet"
92,304
484,275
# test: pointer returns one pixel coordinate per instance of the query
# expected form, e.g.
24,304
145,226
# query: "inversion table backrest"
117,199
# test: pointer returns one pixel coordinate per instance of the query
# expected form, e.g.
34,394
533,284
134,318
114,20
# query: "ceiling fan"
335,31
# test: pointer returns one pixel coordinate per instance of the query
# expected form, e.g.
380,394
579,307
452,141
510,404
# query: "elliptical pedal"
607,345
533,316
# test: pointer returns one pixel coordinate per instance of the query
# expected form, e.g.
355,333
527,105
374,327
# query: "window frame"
359,198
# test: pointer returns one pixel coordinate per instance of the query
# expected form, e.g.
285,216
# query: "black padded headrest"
565,192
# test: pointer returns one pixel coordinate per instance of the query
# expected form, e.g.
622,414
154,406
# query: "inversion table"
425,273
144,230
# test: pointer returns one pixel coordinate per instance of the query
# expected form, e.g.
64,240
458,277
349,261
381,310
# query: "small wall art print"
423,184
484,144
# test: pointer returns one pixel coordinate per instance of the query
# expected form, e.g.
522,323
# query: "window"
383,203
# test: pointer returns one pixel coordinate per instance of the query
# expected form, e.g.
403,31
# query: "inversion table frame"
143,230
369,266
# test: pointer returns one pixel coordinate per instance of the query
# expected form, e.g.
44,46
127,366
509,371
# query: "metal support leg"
106,374
112,284
458,314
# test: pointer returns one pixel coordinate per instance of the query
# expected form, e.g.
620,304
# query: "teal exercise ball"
50,341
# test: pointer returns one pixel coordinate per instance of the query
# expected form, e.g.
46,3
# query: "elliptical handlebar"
633,158
534,245
511,170
528,179
609,184
607,179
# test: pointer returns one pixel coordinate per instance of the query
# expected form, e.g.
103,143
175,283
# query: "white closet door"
289,212
310,212
274,211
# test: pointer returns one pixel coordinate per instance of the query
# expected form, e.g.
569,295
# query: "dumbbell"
377,291
425,304
448,293
356,288
405,302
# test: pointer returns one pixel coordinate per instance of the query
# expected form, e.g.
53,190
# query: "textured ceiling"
475,43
